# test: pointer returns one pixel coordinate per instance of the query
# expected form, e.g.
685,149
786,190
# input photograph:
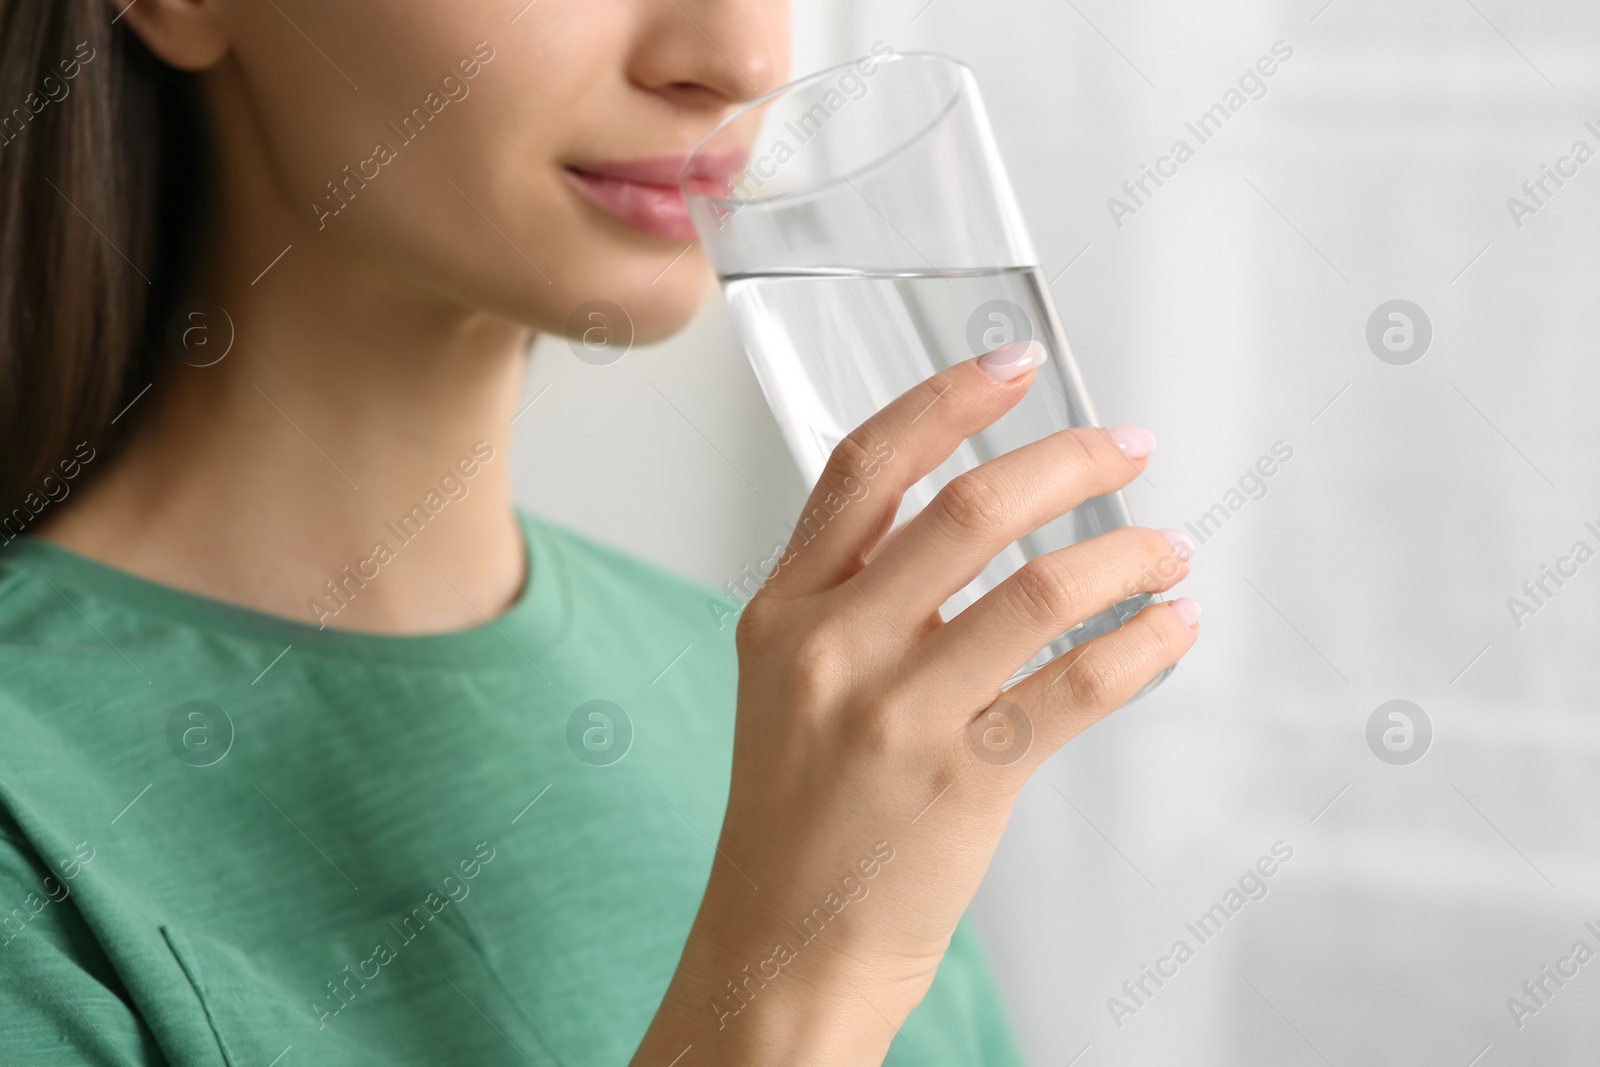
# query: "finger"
869,471
981,511
1049,595
1062,699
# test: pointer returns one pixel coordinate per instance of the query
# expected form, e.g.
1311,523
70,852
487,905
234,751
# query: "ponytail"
103,181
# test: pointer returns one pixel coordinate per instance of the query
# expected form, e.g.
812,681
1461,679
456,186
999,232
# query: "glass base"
1088,630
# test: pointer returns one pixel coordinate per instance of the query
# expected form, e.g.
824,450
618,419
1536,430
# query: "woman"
310,737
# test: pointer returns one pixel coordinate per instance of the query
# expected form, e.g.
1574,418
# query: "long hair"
104,179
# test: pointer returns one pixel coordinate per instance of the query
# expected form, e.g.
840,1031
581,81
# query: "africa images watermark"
1539,991
341,993
852,887
599,732
199,732
1399,732
343,588
342,192
1252,886
849,86
1252,485
1562,571
52,90
56,891
1566,168
53,488
1207,125
807,529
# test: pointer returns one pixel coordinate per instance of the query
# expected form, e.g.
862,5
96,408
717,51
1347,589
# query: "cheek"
468,195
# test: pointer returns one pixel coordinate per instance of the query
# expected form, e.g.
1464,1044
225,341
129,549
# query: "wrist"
726,1012
750,990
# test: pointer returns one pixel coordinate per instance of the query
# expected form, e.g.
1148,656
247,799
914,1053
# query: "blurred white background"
1228,314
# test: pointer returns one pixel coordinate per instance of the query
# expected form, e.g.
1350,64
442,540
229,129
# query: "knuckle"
1045,591
1167,638
970,504
819,664
1165,564
1079,457
1145,562
1105,677
854,453
1096,681
875,734
930,391
755,626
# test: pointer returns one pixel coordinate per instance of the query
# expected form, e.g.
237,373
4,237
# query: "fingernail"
1188,610
1136,442
1008,361
1182,547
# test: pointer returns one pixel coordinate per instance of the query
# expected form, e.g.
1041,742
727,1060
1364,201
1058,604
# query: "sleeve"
61,1003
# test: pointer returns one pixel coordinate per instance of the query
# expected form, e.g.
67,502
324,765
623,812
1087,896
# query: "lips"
643,193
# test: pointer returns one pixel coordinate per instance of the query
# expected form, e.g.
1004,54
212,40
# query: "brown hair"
103,178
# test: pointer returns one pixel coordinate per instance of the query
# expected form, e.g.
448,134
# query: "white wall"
1225,315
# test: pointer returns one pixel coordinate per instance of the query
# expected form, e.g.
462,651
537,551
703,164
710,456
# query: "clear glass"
871,239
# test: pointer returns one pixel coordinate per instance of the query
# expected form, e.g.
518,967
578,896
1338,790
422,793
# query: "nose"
712,51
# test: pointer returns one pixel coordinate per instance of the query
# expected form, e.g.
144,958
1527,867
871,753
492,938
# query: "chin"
659,291
660,313
583,264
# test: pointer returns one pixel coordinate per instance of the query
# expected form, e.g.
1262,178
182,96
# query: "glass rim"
961,68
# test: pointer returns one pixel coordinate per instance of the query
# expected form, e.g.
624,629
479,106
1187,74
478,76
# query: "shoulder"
63,672
31,611
617,578
640,624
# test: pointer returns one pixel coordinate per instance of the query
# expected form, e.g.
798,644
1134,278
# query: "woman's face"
519,157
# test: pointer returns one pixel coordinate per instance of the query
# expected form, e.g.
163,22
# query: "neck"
336,433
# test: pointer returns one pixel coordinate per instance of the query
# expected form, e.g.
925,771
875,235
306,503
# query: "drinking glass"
871,239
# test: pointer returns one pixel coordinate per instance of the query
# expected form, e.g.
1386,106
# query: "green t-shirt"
232,839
